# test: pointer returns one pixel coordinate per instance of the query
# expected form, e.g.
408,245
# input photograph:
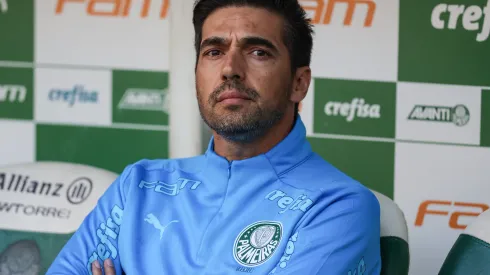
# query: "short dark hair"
298,31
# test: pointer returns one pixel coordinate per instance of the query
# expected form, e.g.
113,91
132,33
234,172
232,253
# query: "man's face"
243,75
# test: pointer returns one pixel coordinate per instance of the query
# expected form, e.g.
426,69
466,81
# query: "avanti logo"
144,99
324,9
77,94
447,16
350,110
257,243
459,115
114,8
4,6
12,93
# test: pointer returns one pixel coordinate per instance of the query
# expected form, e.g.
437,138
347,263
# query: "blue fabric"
287,211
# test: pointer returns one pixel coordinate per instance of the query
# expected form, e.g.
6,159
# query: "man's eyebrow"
244,42
213,41
258,41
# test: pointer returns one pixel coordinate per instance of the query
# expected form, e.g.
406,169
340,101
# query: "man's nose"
233,68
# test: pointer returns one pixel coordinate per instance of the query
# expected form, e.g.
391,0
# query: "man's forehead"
238,22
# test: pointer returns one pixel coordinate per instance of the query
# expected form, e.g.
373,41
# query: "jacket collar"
289,152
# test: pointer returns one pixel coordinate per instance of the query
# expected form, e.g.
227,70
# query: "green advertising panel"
140,97
16,93
444,42
17,30
360,108
107,148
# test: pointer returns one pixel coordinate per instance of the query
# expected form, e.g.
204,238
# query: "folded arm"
97,237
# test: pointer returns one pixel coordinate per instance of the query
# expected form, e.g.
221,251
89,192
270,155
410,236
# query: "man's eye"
260,53
213,53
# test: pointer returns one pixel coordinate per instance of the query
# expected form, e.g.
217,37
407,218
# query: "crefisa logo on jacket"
459,114
257,243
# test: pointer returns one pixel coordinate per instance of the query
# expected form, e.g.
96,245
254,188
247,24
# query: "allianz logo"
75,193
459,114
13,93
4,6
472,18
77,94
357,108
144,100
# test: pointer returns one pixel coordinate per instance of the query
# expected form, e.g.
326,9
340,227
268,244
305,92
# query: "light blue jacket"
287,211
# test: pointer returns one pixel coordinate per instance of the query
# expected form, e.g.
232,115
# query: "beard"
240,124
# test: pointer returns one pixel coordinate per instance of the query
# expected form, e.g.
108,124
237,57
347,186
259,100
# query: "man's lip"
232,94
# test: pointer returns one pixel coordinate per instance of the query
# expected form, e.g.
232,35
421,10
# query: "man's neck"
237,151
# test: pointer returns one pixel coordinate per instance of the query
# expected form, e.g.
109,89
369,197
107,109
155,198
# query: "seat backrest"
470,254
41,205
395,252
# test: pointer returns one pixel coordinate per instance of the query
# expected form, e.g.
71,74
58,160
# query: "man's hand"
108,268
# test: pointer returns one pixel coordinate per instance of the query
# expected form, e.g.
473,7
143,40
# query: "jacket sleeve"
97,236
341,238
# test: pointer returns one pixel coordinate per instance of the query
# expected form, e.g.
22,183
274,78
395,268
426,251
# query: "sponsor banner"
369,162
140,97
73,96
438,113
109,148
130,34
438,205
355,39
17,144
49,197
448,43
485,118
16,45
16,93
359,108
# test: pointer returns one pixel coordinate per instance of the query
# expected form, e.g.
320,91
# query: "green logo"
459,115
140,97
257,243
361,108
444,41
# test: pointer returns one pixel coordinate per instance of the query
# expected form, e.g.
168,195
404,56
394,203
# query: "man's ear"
301,83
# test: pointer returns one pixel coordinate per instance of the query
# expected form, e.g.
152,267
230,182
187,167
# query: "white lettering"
14,93
471,17
350,110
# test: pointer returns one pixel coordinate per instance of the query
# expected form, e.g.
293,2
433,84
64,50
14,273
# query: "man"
259,200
